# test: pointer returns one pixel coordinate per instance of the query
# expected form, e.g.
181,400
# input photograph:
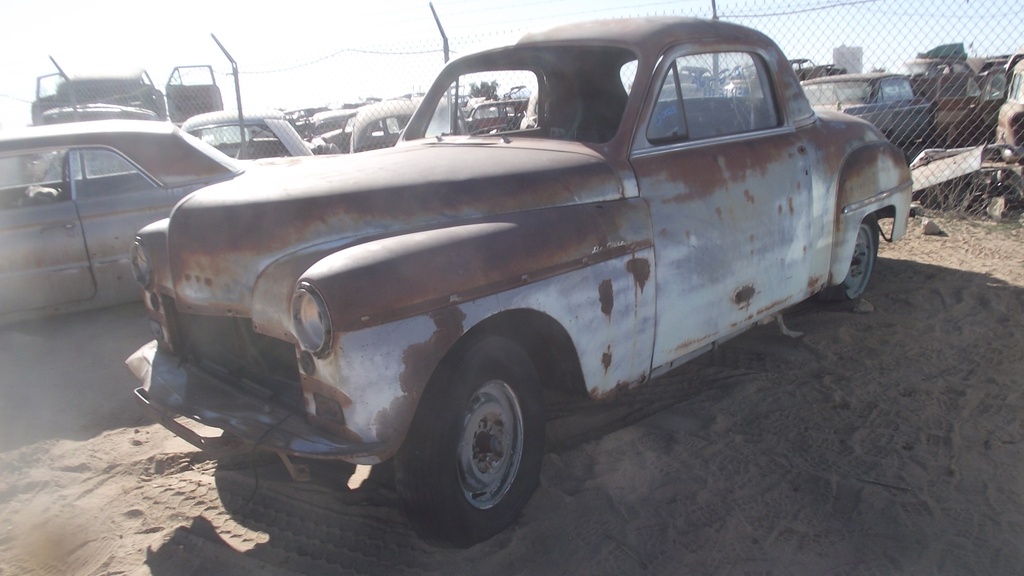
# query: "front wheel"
865,252
472,458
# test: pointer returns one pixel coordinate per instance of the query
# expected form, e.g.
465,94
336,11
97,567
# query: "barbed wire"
339,53
793,11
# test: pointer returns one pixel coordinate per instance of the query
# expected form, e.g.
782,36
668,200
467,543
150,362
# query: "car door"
993,94
115,199
192,90
729,191
43,257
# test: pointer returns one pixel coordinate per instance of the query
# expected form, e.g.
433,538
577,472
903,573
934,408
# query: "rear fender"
874,179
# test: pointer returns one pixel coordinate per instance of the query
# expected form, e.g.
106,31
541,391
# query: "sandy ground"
887,440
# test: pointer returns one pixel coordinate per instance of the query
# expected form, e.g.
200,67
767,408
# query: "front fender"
411,274
399,304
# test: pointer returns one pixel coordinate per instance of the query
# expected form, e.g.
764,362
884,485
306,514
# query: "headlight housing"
141,264
311,321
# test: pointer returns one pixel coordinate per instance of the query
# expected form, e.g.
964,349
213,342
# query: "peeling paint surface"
729,247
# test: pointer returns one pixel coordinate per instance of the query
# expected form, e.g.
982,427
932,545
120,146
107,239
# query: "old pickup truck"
667,188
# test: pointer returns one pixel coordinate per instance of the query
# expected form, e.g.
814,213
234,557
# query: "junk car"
261,134
965,114
421,303
380,124
1010,128
886,100
495,115
128,95
72,197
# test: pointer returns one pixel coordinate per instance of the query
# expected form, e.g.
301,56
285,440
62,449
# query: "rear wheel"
472,458
865,252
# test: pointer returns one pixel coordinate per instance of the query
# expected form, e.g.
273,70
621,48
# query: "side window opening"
486,103
576,94
100,173
667,123
33,179
712,95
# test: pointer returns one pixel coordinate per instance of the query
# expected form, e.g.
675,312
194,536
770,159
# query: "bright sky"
317,52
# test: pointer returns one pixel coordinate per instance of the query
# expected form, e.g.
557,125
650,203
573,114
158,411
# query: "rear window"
836,93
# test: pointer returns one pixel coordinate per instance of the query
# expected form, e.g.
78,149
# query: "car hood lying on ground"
230,249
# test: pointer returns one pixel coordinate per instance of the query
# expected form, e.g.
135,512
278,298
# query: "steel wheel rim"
491,446
860,266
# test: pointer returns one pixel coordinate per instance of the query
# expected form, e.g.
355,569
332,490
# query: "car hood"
249,239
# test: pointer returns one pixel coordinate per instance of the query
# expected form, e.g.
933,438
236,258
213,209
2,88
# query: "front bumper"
172,388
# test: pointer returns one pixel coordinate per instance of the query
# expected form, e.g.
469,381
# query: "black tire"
464,473
865,252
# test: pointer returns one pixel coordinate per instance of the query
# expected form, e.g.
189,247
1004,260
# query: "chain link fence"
932,75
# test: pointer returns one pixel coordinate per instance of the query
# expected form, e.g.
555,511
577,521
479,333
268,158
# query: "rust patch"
330,403
792,210
621,387
607,297
813,282
421,359
772,306
718,212
606,359
693,343
640,268
748,195
743,296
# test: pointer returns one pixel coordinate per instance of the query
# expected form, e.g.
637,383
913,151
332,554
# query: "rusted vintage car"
128,95
807,70
423,302
966,111
72,197
886,100
380,124
1010,129
495,115
262,134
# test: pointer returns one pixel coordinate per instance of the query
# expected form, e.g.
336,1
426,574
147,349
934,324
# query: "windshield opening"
538,93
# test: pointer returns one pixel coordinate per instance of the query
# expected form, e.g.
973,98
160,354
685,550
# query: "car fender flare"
874,177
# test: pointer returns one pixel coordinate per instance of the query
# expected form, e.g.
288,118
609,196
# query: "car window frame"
769,87
80,181
46,182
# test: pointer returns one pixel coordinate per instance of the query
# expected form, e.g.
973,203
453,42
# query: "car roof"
220,117
642,35
108,74
865,77
331,114
385,109
166,153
